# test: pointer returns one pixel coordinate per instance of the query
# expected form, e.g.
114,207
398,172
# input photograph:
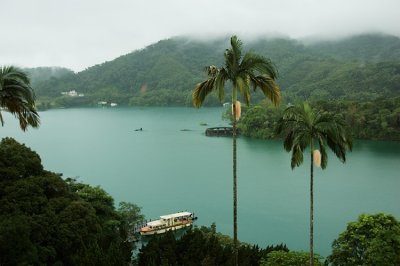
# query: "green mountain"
364,67
367,47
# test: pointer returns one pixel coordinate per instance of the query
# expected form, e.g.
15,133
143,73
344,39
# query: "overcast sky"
81,33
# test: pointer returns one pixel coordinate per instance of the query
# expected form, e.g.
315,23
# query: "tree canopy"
378,119
291,258
45,220
374,239
200,246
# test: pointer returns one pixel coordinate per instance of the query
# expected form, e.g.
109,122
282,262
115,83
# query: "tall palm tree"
304,128
242,71
17,97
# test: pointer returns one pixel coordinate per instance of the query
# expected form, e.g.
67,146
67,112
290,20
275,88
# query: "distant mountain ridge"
367,47
164,73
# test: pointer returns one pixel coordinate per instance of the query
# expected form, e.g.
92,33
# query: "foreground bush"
371,240
200,246
45,220
291,258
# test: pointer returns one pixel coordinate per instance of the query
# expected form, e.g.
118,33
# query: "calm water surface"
164,170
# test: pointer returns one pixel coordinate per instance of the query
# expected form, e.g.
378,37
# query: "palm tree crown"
17,97
244,72
303,127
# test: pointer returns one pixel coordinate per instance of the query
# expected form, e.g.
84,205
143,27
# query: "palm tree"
17,97
242,71
302,128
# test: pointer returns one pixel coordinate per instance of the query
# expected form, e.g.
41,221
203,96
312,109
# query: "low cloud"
78,34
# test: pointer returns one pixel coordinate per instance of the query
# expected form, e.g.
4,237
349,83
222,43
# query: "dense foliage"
45,220
291,258
371,240
378,119
200,246
363,67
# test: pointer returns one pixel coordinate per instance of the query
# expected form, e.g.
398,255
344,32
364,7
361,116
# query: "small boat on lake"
167,223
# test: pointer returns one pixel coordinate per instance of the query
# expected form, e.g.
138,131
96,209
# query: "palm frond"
297,156
286,123
324,155
242,83
288,141
337,149
17,96
259,64
202,90
305,137
268,86
220,83
229,62
17,74
279,126
344,132
337,134
13,89
236,47
307,115
28,117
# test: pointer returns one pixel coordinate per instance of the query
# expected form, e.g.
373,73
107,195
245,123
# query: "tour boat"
168,222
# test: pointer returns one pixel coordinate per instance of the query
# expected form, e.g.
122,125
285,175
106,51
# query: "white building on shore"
72,93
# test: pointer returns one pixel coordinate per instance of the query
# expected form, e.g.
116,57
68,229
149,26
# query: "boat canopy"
175,215
155,223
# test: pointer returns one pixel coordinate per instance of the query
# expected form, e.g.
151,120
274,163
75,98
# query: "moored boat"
168,222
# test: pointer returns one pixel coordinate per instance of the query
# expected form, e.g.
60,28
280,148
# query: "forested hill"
363,67
368,48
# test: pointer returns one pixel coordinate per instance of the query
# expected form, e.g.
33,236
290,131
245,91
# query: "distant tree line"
378,119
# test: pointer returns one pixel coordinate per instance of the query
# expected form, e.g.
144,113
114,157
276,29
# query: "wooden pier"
220,131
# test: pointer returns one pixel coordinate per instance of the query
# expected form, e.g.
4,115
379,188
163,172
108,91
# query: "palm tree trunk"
312,209
235,240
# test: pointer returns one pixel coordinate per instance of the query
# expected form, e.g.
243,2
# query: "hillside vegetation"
376,120
364,67
48,220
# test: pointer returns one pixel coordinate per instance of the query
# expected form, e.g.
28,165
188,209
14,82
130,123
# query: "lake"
164,169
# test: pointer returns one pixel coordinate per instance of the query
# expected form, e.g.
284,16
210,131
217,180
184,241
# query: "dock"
220,131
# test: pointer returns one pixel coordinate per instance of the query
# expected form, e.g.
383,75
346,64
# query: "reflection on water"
384,148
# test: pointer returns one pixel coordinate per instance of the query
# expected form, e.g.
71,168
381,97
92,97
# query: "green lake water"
164,169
